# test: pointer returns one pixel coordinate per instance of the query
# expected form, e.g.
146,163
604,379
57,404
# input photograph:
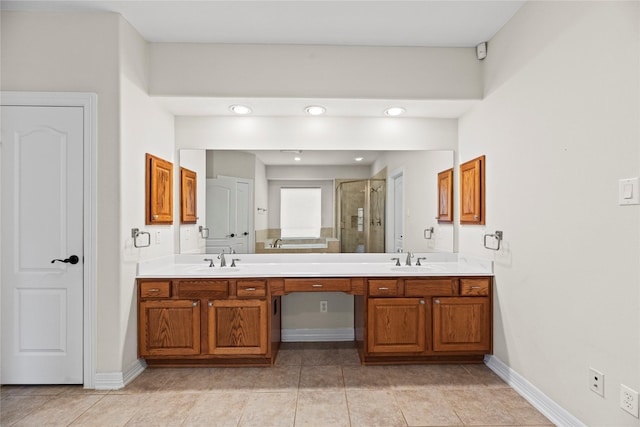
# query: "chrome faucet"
419,258
275,242
223,262
210,261
233,261
409,256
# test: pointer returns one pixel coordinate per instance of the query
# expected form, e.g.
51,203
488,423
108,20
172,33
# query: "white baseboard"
117,380
317,335
550,409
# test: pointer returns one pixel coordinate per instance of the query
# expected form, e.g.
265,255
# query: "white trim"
89,103
117,380
317,335
549,408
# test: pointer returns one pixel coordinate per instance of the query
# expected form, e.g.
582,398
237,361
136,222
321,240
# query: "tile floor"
312,384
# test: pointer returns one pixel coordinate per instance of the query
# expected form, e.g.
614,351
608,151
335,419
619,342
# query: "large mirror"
316,201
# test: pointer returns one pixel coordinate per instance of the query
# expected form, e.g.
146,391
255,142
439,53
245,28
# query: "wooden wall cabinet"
188,198
472,191
158,191
445,196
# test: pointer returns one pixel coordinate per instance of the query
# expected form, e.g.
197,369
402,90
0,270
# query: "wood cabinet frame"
445,196
188,196
158,191
472,192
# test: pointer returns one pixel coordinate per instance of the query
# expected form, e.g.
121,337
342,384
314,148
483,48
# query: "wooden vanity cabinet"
166,326
206,322
236,321
444,319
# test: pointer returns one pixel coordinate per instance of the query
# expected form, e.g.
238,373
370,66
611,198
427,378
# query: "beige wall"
201,69
79,53
559,127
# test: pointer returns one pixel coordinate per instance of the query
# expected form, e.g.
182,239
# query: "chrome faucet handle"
419,258
409,256
223,262
397,260
210,261
233,261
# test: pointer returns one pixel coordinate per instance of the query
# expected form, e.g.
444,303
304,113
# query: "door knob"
246,233
73,259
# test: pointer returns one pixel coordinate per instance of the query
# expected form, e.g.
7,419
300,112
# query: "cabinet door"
169,328
159,194
445,196
188,201
396,325
472,191
461,324
238,327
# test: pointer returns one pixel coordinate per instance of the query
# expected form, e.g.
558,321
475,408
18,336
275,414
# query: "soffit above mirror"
295,107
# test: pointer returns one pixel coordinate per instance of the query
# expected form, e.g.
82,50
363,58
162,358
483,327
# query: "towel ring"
135,233
497,236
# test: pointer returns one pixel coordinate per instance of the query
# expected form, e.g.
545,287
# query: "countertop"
313,265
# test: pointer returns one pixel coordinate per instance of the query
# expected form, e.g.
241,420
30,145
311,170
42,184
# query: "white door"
42,221
228,214
398,209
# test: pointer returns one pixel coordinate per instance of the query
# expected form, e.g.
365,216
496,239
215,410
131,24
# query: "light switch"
628,192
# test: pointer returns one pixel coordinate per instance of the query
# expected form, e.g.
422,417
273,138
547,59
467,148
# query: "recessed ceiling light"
297,159
315,110
394,111
240,109
358,159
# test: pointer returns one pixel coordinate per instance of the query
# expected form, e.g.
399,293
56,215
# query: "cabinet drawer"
474,287
203,288
252,288
155,289
430,287
383,287
317,285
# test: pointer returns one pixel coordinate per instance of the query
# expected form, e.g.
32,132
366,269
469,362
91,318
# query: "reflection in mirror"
362,222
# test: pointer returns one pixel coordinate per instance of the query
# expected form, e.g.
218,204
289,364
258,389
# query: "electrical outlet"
158,237
629,400
323,306
596,381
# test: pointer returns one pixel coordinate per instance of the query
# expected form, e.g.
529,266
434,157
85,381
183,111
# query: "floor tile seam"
395,399
461,422
31,411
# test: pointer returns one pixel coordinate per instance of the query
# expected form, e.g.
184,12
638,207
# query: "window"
300,212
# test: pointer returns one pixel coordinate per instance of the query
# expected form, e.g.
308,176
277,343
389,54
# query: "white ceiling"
448,23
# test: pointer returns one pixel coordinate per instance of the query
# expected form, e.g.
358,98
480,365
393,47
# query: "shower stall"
361,209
